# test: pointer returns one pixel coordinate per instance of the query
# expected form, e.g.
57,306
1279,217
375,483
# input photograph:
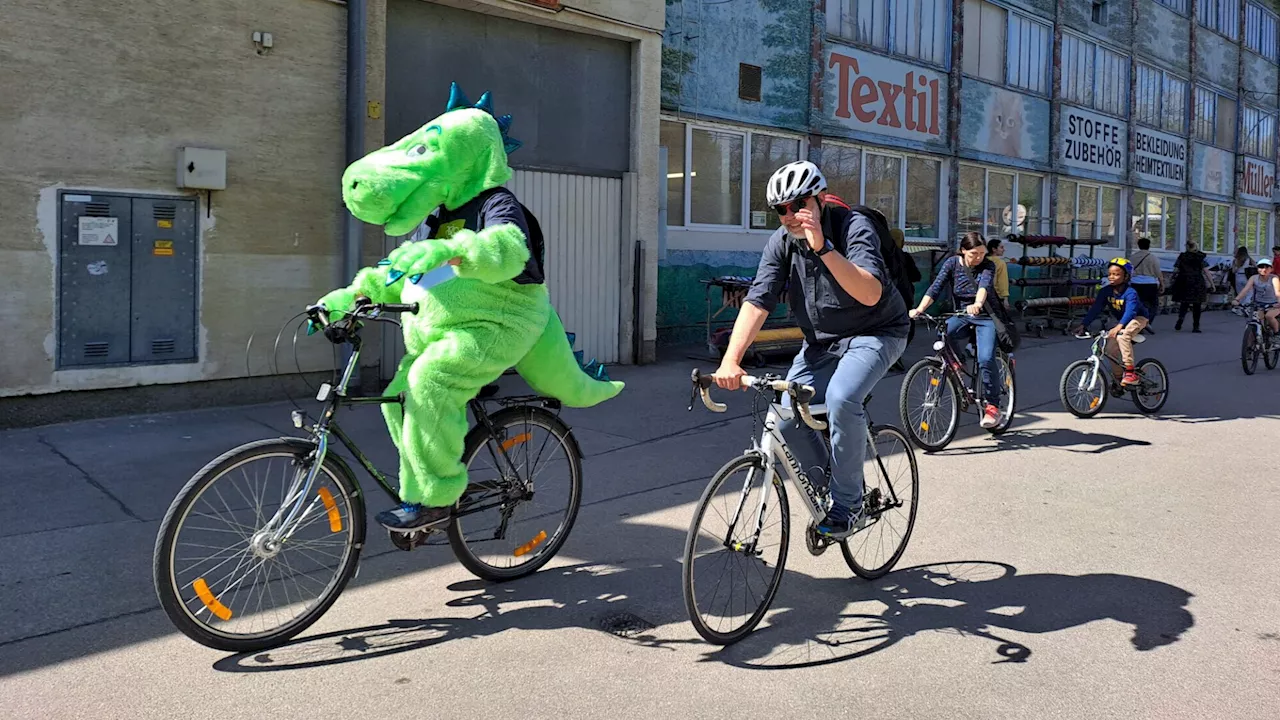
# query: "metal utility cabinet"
127,282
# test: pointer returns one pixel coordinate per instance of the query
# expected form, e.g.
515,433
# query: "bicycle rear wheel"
221,578
730,544
1150,395
1249,350
523,493
892,482
929,404
1005,378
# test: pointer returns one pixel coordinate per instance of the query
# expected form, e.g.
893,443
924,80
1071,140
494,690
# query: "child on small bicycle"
1122,300
1265,287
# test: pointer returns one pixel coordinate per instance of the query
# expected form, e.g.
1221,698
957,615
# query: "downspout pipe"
353,234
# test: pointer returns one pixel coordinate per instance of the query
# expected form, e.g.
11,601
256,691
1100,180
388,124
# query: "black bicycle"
258,545
1258,340
939,387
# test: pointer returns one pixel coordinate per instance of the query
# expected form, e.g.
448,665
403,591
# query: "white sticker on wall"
758,218
78,198
100,231
98,268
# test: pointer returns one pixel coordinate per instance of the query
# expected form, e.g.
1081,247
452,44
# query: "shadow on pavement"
1055,438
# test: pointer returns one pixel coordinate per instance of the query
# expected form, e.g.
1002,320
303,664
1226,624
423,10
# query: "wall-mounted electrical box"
202,168
126,280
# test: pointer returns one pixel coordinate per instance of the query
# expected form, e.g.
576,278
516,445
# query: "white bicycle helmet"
795,180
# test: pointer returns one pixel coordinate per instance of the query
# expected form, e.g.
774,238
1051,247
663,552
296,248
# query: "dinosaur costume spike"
476,318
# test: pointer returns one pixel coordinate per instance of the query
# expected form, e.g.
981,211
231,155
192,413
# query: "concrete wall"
1163,34
98,96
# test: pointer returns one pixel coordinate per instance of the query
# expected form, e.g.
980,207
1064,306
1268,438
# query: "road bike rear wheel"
890,498
221,578
724,549
929,405
516,515
1151,394
1077,395
1249,350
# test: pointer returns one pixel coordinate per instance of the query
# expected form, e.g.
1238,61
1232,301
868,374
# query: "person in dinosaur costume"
483,307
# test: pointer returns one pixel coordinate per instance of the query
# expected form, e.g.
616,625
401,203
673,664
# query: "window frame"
1017,174
1218,95
1162,93
1215,22
1122,198
1259,16
1263,245
1228,238
1179,224
1095,89
1178,6
904,157
1265,147
837,17
1046,74
746,133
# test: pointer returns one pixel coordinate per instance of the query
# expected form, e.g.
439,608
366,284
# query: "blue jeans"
957,333
842,375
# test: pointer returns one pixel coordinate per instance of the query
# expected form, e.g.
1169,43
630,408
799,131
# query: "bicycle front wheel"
1249,350
523,492
223,576
929,405
1270,357
1081,393
1005,378
892,485
736,550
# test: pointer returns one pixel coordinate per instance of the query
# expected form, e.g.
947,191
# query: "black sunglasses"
792,207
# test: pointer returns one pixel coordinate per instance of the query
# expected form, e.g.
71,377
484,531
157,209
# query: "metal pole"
354,230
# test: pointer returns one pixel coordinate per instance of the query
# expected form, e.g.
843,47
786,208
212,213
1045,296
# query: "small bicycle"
1087,383
891,479
939,387
262,540
1257,342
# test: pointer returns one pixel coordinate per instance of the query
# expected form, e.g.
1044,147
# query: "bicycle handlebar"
800,395
345,329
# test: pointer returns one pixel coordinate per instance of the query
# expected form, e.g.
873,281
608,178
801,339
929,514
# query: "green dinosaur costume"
490,313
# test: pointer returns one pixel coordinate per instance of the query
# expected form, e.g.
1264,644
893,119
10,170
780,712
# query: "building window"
904,188
1220,15
1259,133
1030,49
1094,76
1260,31
1157,218
915,28
994,202
1087,211
1207,226
1256,237
1098,13
1215,119
717,176
1161,100
985,32
1178,6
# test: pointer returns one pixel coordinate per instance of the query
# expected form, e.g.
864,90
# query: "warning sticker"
164,223
162,247
100,231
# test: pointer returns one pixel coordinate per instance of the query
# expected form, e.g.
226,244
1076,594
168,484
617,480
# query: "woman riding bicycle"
1265,287
972,278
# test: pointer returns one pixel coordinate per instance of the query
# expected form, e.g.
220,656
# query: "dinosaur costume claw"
477,319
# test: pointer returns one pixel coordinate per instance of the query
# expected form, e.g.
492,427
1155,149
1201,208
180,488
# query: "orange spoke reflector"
933,382
521,438
924,426
1094,403
202,591
528,547
335,517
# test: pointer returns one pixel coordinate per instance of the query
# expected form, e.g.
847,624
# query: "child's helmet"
1123,264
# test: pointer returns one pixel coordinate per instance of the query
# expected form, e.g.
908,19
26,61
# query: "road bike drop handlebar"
800,395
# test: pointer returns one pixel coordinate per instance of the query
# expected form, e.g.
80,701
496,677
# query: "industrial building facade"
1100,119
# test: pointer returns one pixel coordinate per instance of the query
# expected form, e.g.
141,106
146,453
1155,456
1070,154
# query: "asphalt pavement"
1122,566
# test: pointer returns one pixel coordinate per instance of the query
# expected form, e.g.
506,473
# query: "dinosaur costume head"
448,161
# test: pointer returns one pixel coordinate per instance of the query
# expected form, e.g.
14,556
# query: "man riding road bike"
853,319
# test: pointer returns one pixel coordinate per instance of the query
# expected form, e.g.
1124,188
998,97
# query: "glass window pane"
1220,231
1030,194
671,136
1226,131
716,178
969,199
1066,207
1250,229
884,185
842,166
1087,212
999,203
1195,223
922,198
1173,111
1172,209
1264,225
768,153
1141,222
1107,221
991,51
972,35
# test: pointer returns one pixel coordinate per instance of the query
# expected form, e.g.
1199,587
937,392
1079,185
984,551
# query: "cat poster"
1001,122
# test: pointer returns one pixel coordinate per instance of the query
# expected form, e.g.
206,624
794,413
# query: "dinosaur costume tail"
550,369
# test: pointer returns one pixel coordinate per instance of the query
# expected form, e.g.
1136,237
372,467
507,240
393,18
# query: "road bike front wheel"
892,487
1153,391
523,492
1079,397
732,559
929,405
222,575
1249,350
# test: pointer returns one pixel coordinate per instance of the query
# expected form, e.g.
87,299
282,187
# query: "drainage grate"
625,625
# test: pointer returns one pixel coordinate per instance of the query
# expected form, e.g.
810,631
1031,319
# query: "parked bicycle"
262,540
1086,384
746,511
939,387
1258,340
